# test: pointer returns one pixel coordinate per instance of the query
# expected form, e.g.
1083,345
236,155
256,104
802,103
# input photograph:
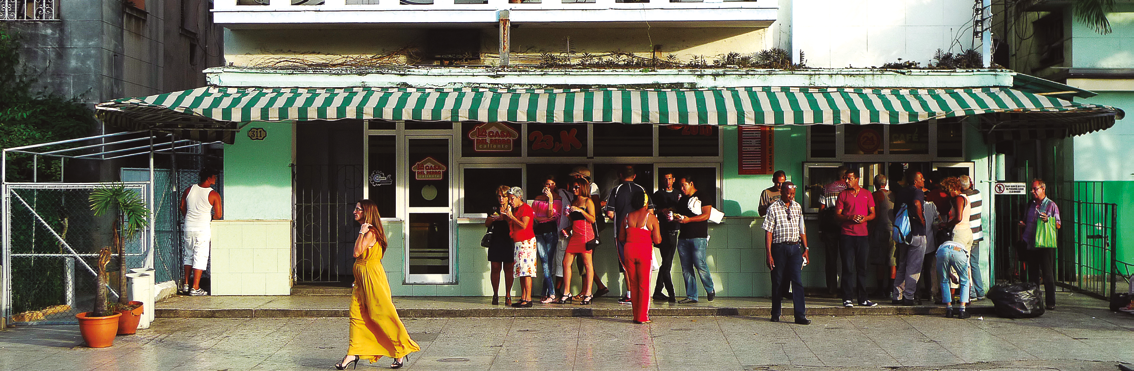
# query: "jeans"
831,260
546,244
692,252
975,279
668,246
855,251
955,258
909,268
789,262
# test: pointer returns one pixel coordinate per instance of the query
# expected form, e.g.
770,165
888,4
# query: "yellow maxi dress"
375,329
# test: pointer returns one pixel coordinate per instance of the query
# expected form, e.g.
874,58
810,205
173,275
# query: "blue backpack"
902,225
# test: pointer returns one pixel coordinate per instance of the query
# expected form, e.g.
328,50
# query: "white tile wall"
251,257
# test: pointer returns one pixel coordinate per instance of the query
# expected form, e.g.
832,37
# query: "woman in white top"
954,254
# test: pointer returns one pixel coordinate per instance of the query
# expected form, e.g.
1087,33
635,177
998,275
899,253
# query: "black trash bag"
1017,300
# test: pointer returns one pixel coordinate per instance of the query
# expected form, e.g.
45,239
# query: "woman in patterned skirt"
520,218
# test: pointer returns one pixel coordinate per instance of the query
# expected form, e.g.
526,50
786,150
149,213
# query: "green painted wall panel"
1090,49
742,192
1122,194
257,174
1098,155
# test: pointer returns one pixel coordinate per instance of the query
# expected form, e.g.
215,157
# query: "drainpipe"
505,35
986,33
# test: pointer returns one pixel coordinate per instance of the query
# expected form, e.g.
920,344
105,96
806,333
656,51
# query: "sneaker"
712,295
848,304
184,290
687,301
1127,309
867,303
198,292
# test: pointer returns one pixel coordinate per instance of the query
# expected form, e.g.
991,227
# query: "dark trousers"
668,247
789,262
831,262
1042,261
855,252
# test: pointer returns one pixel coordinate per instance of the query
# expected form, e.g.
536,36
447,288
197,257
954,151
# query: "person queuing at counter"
953,255
618,204
911,254
640,231
829,229
665,201
546,207
501,248
882,247
582,242
693,242
854,208
520,220
786,240
592,191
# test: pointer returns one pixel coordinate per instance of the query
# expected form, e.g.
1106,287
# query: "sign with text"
493,137
429,169
1010,188
756,148
557,140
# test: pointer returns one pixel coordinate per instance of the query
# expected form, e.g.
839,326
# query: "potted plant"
100,326
131,217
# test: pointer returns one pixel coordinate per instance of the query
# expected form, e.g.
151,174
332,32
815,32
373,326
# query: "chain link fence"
51,247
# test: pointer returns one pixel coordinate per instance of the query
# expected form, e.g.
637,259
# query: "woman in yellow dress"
375,329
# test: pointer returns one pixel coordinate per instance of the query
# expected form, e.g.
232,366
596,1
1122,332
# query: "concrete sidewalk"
1072,339
312,306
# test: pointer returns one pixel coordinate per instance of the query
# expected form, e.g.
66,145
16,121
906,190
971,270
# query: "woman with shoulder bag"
500,248
581,244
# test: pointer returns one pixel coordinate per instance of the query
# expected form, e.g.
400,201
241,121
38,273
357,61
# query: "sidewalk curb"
562,312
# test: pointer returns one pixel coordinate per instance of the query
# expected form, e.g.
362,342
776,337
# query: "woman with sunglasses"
582,215
501,254
375,329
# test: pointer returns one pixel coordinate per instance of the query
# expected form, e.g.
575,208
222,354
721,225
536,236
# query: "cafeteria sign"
493,137
429,169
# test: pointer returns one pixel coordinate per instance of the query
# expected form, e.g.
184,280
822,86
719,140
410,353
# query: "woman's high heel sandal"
343,366
587,299
564,299
398,363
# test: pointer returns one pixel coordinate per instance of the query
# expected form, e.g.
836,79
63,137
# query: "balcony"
533,13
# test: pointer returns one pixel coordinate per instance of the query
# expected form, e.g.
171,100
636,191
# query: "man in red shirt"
854,207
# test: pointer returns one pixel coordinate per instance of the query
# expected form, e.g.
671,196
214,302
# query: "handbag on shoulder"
486,241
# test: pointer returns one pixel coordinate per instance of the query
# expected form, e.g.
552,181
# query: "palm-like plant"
100,293
130,212
1093,13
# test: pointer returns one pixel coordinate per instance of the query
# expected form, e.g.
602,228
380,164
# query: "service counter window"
705,178
689,140
909,139
949,140
606,176
479,186
537,173
613,140
816,177
822,144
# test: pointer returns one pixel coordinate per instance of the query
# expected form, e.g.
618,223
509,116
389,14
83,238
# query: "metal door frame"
405,209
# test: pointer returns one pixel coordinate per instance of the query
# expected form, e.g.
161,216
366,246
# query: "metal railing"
29,10
340,4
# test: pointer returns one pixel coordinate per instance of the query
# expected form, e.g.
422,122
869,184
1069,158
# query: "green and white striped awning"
221,107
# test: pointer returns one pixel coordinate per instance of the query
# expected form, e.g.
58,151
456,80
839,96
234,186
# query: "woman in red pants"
641,233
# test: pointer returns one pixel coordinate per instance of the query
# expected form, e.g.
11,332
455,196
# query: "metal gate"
51,242
1086,256
324,227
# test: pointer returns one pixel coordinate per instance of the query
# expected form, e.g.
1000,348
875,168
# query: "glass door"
430,223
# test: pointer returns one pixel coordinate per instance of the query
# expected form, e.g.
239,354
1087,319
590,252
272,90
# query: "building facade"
425,107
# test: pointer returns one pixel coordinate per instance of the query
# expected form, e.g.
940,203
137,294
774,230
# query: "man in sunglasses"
1040,258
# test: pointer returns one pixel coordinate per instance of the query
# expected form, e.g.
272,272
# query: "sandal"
495,300
508,301
564,300
587,299
547,300
398,363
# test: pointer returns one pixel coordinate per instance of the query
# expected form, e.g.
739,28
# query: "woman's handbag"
592,244
486,241
1046,234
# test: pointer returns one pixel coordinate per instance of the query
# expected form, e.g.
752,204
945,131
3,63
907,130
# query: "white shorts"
196,249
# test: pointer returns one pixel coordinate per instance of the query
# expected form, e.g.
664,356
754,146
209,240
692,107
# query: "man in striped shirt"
786,240
977,288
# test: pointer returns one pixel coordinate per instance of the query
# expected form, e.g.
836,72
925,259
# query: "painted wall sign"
1010,188
563,139
493,137
429,169
756,148
257,133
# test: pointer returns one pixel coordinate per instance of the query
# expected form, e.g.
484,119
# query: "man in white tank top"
200,205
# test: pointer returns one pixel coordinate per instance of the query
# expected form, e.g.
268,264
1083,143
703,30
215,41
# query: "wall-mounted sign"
756,149
257,133
1010,188
378,178
493,137
557,139
429,169
869,141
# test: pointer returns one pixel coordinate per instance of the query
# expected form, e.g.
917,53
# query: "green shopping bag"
1045,234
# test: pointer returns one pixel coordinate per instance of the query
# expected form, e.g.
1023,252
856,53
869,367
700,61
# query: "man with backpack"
911,245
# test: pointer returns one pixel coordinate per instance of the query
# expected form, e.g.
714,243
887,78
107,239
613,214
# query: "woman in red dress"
641,233
582,215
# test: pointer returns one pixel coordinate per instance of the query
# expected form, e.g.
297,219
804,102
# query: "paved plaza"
1072,338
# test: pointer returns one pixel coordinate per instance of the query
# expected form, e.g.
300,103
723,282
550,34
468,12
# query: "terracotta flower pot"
98,332
128,322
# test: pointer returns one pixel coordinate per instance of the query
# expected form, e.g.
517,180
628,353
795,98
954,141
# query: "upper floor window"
29,10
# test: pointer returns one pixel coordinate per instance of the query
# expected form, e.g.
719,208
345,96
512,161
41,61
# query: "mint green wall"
741,193
1122,194
1090,49
1098,155
257,174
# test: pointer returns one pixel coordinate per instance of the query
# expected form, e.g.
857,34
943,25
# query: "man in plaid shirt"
786,239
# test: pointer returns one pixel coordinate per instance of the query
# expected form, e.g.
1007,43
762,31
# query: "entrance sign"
755,150
493,137
1010,188
429,169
